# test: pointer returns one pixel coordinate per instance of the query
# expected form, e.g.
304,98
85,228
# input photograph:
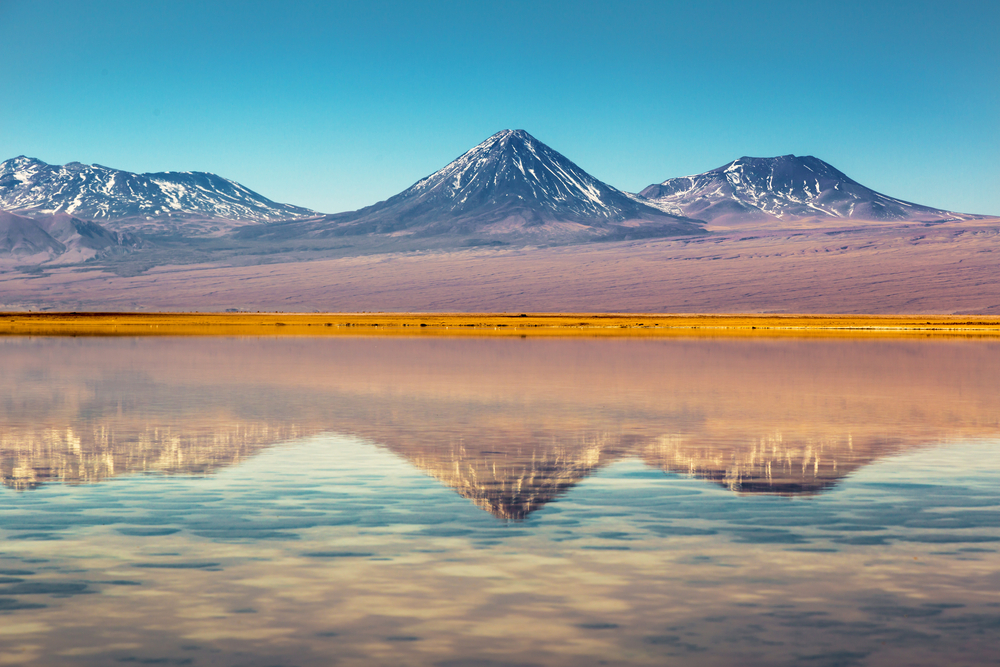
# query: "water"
379,501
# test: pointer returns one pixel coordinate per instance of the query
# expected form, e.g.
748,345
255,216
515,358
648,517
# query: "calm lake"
433,501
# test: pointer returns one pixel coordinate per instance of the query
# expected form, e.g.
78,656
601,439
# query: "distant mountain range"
509,188
158,202
786,188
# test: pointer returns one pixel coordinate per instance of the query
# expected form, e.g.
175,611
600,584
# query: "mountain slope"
85,239
22,237
785,188
163,201
61,238
509,188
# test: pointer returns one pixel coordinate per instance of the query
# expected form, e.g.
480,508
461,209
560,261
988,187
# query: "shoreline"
492,324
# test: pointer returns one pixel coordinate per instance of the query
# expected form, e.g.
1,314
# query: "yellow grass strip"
489,324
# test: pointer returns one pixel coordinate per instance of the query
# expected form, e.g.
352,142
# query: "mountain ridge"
158,201
509,190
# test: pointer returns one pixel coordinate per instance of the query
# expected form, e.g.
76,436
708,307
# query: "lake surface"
394,501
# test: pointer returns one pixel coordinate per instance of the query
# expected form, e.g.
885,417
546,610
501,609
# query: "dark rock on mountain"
163,202
785,188
510,188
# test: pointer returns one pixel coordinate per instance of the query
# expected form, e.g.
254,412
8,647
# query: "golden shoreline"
491,324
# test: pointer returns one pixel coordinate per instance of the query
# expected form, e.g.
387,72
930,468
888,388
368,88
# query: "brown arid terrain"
510,424
864,268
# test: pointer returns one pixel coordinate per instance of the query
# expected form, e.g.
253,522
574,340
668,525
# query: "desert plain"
860,269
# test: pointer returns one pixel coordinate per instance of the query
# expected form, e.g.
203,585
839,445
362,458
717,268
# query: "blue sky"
337,105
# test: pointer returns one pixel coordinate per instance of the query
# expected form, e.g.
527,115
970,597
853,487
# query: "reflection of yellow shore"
490,324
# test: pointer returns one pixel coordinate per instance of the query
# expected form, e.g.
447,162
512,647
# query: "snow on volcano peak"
513,167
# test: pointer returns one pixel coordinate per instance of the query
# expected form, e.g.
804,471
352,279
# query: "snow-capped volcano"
94,192
510,186
785,188
513,169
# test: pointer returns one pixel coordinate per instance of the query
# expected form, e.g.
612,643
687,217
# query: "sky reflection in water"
403,501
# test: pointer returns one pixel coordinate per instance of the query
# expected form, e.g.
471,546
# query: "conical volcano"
509,188
514,173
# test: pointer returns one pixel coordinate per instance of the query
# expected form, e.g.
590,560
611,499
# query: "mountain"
24,238
511,187
59,237
188,202
786,188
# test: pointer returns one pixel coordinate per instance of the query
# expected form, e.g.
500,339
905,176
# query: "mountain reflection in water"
253,502
508,424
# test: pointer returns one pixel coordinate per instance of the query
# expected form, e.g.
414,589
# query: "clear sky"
337,105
